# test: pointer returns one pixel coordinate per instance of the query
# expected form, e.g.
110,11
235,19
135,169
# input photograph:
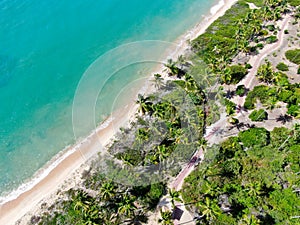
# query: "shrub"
286,32
271,27
230,107
264,32
282,67
238,72
260,46
240,90
261,92
293,56
248,66
254,137
293,110
298,72
258,115
271,39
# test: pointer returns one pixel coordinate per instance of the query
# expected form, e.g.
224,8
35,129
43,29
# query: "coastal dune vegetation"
251,177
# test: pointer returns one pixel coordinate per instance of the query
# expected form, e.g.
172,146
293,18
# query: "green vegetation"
293,56
278,90
282,67
251,177
258,115
240,90
294,2
234,74
112,204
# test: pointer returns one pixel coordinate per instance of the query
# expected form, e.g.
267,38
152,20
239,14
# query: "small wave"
52,164
217,7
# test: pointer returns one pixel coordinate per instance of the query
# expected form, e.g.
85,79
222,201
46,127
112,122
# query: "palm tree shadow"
284,118
164,202
139,219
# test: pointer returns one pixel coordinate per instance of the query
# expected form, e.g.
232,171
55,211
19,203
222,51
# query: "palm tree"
144,104
244,46
265,72
209,209
175,197
271,102
254,189
142,135
107,190
226,76
166,218
276,14
160,154
181,61
266,13
249,220
171,67
126,205
158,81
284,118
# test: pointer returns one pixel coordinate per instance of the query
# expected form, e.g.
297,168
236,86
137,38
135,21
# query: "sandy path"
250,81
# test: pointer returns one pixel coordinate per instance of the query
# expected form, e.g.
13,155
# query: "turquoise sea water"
46,46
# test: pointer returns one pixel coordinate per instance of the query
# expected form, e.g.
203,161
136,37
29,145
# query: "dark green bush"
240,90
258,115
271,27
260,46
254,137
293,110
248,66
271,39
238,72
282,67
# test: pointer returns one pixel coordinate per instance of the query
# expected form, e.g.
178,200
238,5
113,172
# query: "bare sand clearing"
45,190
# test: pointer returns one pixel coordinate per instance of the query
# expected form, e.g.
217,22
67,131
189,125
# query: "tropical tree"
166,218
181,61
171,67
265,72
107,190
249,220
144,103
126,205
161,153
175,197
209,209
158,81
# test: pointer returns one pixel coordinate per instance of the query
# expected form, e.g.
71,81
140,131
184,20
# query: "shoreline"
62,167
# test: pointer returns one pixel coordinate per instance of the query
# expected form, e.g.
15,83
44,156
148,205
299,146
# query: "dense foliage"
103,202
254,176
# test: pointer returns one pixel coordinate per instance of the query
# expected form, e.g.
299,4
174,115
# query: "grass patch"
293,56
